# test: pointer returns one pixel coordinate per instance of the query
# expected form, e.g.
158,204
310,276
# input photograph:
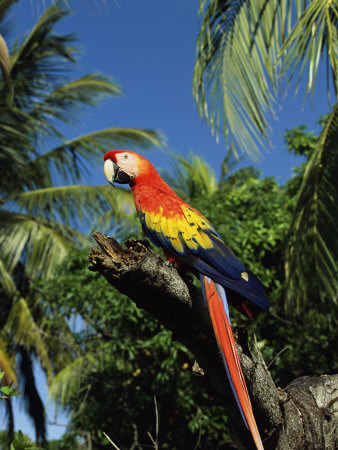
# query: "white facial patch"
128,163
108,169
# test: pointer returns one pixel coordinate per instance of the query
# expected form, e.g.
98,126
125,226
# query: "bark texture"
303,415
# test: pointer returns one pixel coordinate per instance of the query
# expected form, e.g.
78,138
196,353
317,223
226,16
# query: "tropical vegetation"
121,370
247,53
42,211
123,357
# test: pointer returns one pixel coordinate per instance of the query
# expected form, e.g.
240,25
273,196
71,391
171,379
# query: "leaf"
6,281
43,243
7,361
68,381
191,176
27,332
66,102
315,33
73,204
40,56
244,49
5,63
68,158
235,68
9,391
312,254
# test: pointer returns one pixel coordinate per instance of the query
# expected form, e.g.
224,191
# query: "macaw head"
123,166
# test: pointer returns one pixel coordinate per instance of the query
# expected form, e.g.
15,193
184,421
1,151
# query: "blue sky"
148,47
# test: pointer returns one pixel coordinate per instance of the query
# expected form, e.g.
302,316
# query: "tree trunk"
302,415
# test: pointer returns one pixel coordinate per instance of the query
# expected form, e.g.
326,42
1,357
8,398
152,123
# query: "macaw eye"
125,156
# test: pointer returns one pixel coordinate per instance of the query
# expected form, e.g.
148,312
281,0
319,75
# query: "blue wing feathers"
218,263
239,285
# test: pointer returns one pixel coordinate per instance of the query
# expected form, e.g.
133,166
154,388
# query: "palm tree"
191,176
244,50
40,216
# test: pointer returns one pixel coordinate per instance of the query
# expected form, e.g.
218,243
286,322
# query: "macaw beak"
114,174
120,177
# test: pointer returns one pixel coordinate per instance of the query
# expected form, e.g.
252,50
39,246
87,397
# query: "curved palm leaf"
191,176
40,57
72,379
24,331
37,224
312,255
315,32
66,101
240,48
5,63
6,281
7,362
86,90
43,243
67,159
75,203
231,75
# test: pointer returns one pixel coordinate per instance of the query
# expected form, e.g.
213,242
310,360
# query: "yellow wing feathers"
187,229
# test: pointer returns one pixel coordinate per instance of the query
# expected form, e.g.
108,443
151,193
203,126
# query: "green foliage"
22,442
39,217
122,359
314,35
245,48
191,177
4,59
254,216
19,442
250,214
313,248
8,391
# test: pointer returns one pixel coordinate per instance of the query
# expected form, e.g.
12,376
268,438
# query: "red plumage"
187,237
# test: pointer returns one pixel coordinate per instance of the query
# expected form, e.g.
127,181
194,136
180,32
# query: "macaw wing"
183,231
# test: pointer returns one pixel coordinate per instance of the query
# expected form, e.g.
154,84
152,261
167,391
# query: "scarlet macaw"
189,239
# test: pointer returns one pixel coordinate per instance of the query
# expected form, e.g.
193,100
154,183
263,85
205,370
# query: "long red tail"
219,314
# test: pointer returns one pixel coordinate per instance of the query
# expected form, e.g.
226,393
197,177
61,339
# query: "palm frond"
74,204
5,63
312,255
87,90
66,101
7,362
235,68
191,176
315,33
15,146
7,283
68,158
122,227
73,378
241,48
24,331
43,243
40,59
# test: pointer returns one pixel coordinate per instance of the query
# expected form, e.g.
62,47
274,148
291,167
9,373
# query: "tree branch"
283,416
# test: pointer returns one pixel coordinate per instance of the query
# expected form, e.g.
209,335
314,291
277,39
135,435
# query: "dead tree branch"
303,415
